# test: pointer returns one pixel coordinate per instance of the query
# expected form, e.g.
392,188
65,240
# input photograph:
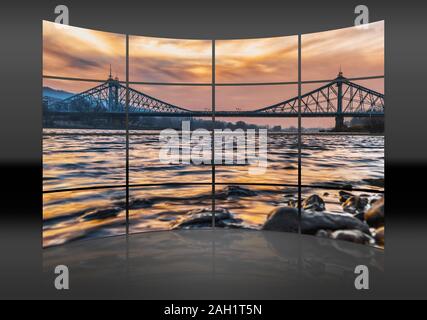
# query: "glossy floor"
213,264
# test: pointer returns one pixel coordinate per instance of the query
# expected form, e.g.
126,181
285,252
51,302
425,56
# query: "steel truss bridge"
339,99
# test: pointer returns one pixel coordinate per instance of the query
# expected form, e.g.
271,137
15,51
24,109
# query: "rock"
373,199
355,236
286,219
234,191
360,216
355,204
344,195
202,218
292,202
379,236
314,203
375,215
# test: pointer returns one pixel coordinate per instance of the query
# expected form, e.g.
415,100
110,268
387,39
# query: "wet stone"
374,199
375,215
286,219
292,202
344,196
202,218
379,236
360,216
314,203
355,204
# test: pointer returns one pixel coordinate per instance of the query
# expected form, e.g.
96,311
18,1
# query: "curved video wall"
278,134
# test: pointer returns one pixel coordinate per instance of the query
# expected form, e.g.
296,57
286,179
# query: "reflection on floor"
213,264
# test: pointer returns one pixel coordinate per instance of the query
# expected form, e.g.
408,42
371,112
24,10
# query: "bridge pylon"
113,93
339,119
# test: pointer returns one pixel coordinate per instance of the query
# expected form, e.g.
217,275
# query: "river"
75,158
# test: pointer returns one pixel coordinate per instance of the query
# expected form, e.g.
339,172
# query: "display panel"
170,207
349,149
77,158
250,183
83,214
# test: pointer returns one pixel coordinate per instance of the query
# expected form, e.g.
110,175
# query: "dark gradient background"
20,120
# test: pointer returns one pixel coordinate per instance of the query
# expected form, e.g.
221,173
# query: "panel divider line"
299,134
223,84
137,185
127,135
213,136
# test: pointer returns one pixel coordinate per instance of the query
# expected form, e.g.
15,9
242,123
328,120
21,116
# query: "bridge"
339,99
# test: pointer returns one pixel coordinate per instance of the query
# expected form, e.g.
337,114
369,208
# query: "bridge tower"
339,119
113,93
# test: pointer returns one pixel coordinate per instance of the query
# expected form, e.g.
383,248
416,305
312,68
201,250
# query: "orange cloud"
257,60
170,60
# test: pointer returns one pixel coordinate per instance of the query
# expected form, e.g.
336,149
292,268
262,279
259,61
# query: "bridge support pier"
339,123
339,119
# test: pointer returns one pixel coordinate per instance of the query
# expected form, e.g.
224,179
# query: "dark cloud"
81,63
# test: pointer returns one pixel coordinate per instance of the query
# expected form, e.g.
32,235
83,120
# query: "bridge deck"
202,114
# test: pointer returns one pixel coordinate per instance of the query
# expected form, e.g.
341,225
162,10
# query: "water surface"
75,158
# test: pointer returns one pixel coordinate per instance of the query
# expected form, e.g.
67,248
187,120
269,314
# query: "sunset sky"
83,53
